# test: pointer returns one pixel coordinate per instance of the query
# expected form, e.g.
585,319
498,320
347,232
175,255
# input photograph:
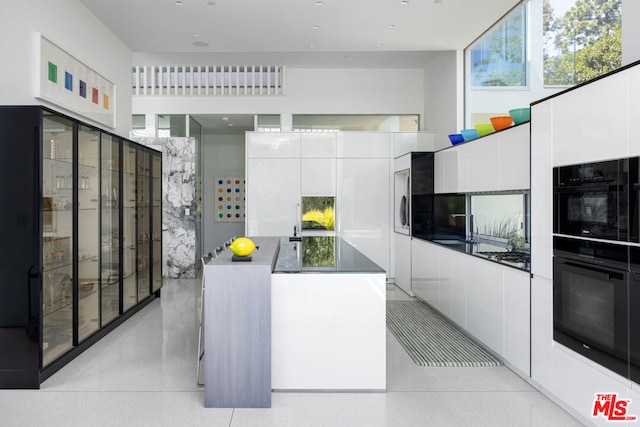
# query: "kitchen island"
328,317
302,315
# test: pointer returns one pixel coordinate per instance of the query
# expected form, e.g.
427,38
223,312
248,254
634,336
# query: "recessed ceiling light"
200,44
379,45
178,2
315,27
211,3
390,27
230,125
195,35
312,46
319,3
404,2
224,119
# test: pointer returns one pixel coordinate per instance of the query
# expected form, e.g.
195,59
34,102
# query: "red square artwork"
94,95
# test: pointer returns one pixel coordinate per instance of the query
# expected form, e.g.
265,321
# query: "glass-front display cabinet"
156,223
129,216
81,237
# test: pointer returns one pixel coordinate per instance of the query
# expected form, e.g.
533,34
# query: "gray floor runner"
431,340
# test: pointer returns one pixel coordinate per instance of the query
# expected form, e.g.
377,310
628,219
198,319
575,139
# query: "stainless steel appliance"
402,195
590,300
591,200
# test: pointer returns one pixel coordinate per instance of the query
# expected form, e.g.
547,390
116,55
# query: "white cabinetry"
273,145
318,145
488,300
485,317
592,123
496,162
514,157
542,190
353,166
402,277
450,173
364,145
363,211
406,142
273,196
318,177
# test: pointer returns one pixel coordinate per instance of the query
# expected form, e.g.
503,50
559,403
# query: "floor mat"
430,340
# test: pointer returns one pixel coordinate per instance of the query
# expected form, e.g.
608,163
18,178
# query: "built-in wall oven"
590,300
592,200
634,313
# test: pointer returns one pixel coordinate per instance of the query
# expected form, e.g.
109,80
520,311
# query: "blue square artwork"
83,89
68,81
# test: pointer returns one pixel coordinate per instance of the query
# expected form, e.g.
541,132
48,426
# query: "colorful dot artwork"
230,197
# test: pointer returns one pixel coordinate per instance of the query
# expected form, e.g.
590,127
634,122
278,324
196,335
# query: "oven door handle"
586,188
596,273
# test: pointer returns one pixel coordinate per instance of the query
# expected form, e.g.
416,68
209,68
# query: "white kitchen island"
324,328
328,321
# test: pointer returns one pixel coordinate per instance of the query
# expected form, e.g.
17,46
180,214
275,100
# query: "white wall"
441,97
630,31
309,91
221,155
68,24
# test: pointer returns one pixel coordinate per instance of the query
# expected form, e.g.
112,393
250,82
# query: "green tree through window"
499,57
584,43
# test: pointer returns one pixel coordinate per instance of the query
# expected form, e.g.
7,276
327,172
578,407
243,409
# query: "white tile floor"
143,374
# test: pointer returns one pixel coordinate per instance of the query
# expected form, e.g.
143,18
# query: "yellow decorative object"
242,246
325,218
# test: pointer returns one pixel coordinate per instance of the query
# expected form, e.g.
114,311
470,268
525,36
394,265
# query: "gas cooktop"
508,256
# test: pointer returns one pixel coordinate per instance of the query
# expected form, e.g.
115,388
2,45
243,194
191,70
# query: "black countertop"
491,251
322,254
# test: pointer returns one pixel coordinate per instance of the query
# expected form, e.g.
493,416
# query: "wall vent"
188,80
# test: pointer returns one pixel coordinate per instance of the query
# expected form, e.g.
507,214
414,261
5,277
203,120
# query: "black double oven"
596,270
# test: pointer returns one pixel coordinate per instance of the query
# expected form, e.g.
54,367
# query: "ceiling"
329,33
258,26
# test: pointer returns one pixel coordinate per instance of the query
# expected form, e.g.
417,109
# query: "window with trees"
582,40
499,57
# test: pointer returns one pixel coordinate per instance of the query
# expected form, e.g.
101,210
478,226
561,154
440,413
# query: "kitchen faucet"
470,236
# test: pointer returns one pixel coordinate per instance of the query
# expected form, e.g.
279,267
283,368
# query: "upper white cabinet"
591,123
363,145
273,196
449,171
495,162
514,158
634,108
273,145
318,145
406,142
483,164
363,214
318,177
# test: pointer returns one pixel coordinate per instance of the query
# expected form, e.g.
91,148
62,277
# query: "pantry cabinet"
79,226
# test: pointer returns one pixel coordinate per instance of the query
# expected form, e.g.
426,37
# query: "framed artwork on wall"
67,82
230,199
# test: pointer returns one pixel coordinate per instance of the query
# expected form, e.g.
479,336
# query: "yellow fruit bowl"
242,246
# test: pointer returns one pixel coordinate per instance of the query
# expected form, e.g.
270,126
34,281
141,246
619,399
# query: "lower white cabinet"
485,317
488,300
402,275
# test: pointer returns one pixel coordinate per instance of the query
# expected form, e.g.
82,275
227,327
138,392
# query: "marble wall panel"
179,207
